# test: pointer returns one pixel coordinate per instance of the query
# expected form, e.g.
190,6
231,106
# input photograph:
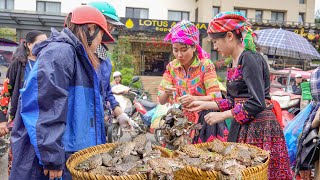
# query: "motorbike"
143,111
289,103
135,111
4,145
280,91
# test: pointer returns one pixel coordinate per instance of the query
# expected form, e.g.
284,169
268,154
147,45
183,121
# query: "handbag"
310,148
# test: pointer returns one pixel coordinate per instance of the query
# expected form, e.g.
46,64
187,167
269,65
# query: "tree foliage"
8,33
123,61
317,16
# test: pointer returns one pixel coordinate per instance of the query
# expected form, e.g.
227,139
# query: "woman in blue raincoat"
61,107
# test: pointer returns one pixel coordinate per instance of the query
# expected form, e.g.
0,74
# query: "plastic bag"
160,111
293,130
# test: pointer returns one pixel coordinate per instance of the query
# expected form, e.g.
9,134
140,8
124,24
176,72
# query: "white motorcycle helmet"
116,74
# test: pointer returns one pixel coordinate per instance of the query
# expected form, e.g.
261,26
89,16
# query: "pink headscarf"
187,33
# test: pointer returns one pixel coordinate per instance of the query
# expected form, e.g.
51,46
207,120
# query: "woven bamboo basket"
253,173
84,154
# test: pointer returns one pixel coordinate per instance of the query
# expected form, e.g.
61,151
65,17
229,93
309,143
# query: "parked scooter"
114,131
289,103
142,112
4,144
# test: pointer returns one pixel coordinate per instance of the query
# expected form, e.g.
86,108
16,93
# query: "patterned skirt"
265,132
209,132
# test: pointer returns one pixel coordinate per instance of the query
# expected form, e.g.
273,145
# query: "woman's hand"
125,121
3,129
53,173
214,117
186,100
197,106
169,90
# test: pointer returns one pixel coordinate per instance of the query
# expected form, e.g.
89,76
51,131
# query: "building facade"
287,11
148,21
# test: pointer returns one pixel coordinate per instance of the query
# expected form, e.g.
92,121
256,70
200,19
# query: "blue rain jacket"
60,109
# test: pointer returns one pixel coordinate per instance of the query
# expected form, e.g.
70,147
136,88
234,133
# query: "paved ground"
4,167
3,162
4,158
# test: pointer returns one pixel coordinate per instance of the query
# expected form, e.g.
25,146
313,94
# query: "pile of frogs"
140,157
176,130
226,159
130,158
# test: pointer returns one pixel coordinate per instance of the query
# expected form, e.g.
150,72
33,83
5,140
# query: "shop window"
48,6
215,11
242,11
258,17
155,62
301,18
178,15
139,13
7,4
277,17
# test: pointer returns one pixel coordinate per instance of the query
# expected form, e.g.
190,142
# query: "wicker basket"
84,154
253,173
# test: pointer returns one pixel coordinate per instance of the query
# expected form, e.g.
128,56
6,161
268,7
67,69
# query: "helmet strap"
90,38
104,46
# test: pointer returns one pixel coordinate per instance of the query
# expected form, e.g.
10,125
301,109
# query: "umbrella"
281,42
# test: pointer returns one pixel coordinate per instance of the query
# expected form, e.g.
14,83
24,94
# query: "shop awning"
30,20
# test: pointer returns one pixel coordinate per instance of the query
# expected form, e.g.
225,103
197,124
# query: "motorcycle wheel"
137,129
114,133
4,144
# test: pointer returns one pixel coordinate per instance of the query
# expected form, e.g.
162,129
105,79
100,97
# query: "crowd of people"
59,88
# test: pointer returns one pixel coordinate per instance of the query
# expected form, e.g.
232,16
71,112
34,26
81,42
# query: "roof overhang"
30,20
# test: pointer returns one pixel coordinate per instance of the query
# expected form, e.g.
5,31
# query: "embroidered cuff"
216,95
241,115
224,104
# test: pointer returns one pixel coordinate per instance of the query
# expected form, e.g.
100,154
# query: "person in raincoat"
114,23
22,62
61,107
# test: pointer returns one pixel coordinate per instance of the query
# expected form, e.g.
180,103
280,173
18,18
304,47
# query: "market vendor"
296,87
248,93
191,77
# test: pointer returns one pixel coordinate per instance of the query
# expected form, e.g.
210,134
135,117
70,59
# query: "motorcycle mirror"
135,79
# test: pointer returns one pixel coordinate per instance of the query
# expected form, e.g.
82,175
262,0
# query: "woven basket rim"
100,149
245,172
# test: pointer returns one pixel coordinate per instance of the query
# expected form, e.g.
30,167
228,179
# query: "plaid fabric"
315,84
119,25
285,43
227,21
187,33
102,52
230,21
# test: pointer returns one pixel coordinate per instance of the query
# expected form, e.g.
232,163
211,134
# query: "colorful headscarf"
230,21
187,33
